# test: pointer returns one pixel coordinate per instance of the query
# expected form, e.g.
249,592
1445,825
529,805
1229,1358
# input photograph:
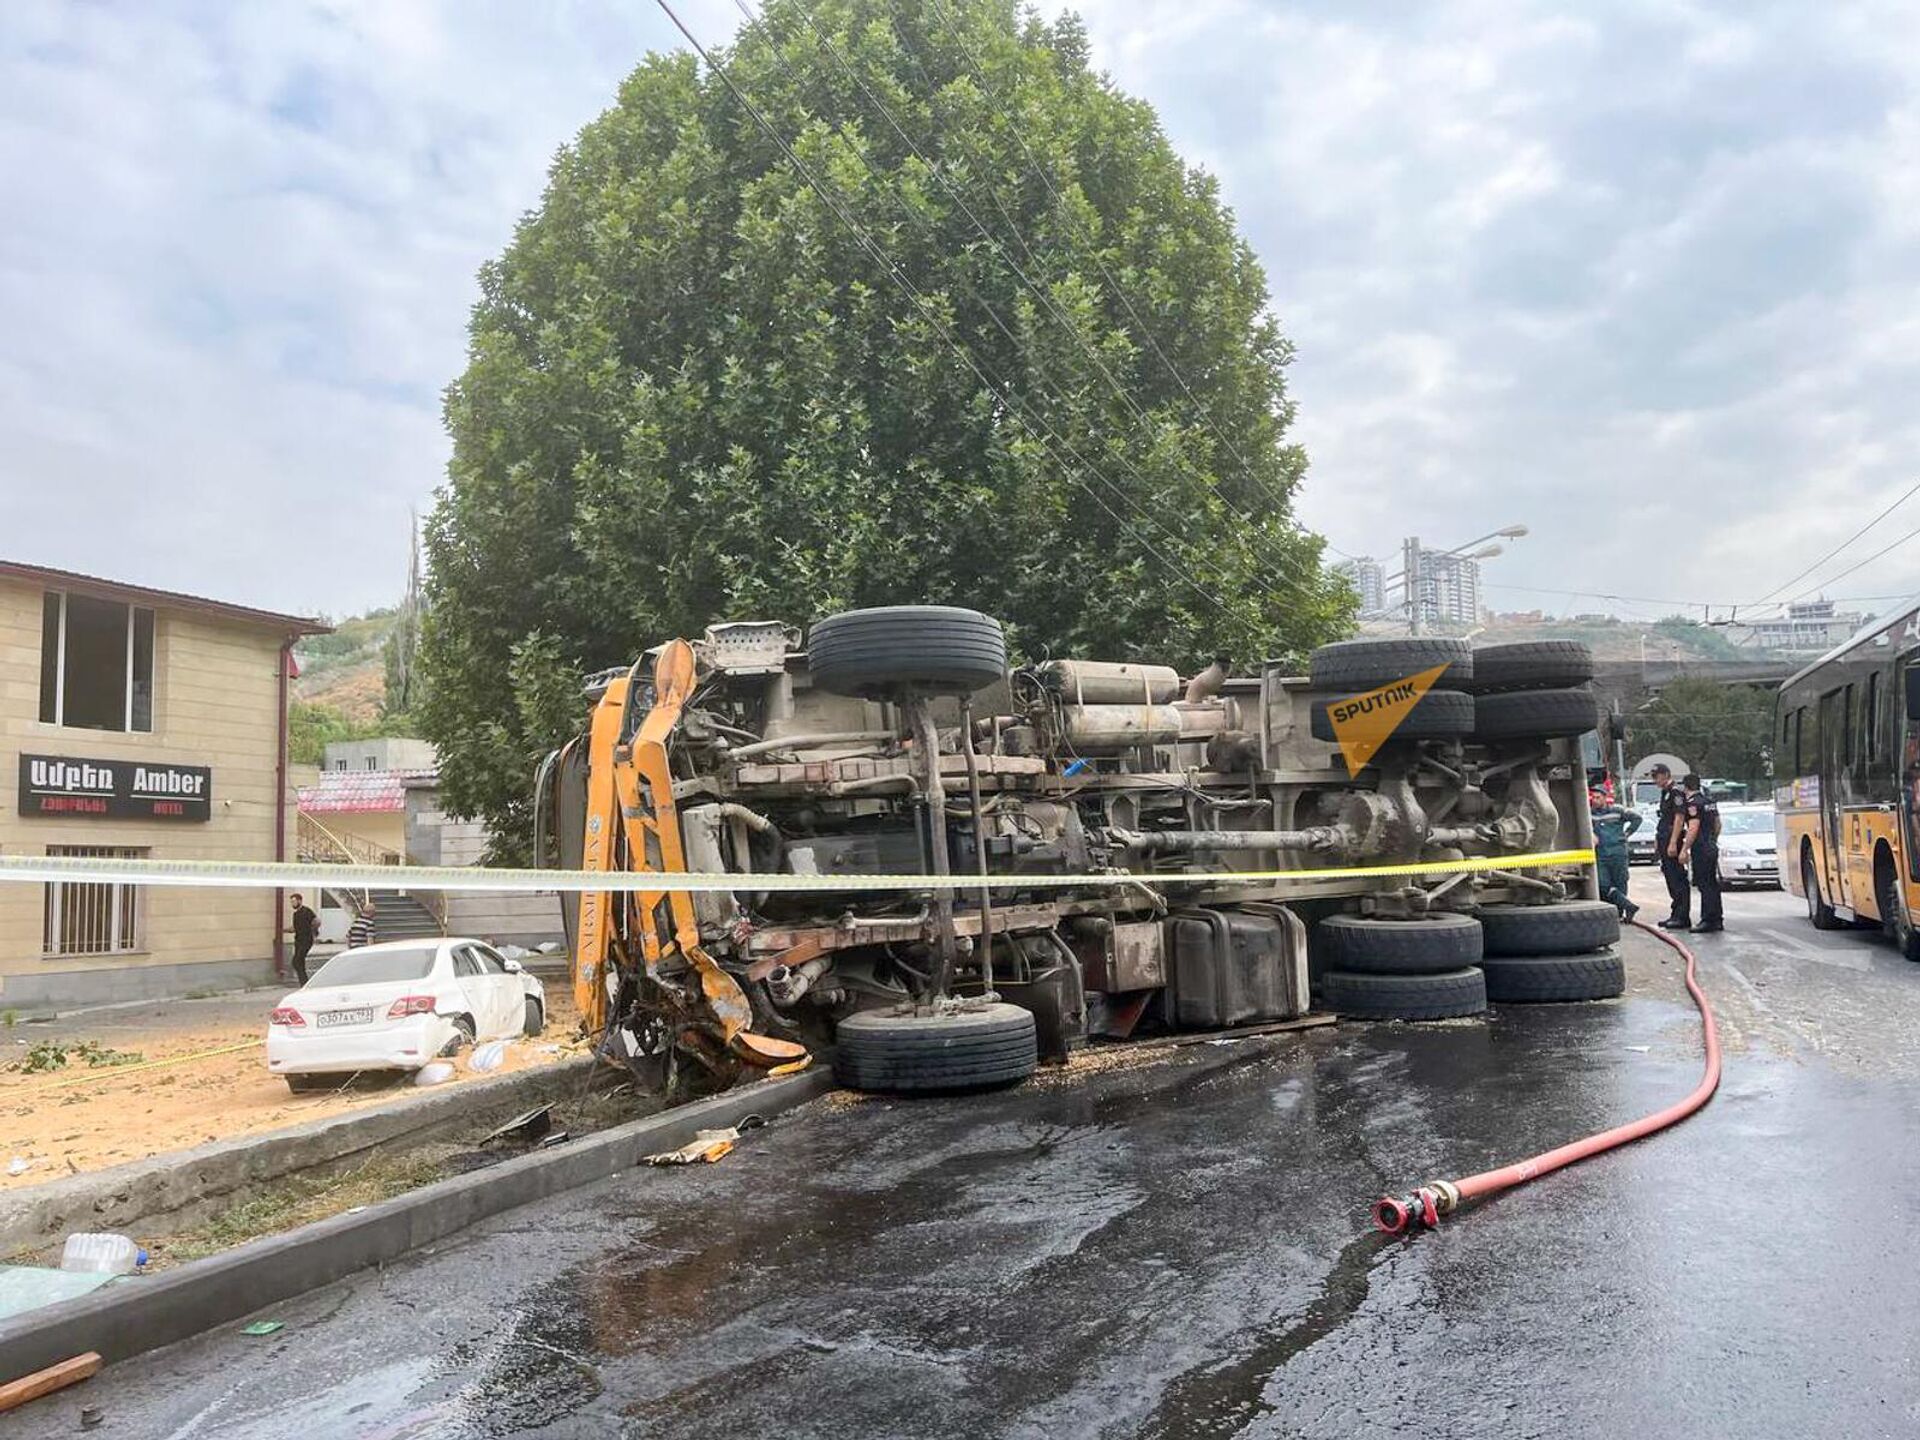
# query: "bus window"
1870,720
1846,727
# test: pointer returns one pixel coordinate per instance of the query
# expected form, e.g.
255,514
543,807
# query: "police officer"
1666,840
1700,841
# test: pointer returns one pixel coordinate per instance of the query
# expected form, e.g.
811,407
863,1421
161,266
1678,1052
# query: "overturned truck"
1148,849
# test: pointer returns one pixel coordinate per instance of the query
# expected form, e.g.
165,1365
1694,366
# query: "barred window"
89,919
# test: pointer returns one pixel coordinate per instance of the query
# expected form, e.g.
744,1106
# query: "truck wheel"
1535,714
967,1050
1404,997
1572,927
1531,665
1368,664
900,649
1522,979
1436,715
1431,945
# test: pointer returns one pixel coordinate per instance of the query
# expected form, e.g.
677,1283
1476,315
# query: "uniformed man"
1666,840
1700,842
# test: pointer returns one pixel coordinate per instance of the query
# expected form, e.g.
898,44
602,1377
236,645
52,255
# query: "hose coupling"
1419,1211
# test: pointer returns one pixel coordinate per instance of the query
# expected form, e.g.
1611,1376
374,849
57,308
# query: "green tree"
1723,730
693,393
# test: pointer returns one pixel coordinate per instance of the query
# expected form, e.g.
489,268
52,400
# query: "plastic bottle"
102,1254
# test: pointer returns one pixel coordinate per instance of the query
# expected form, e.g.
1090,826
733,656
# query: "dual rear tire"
1560,952
1420,969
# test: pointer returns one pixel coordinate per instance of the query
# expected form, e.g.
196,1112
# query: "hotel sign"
61,786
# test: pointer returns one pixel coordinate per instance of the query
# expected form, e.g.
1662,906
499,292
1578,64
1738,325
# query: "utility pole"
1410,566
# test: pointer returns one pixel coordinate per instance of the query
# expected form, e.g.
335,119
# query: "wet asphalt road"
1176,1245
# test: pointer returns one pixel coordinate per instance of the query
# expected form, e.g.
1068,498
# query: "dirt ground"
86,1117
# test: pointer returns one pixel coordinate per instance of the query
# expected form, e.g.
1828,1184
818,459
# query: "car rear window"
373,967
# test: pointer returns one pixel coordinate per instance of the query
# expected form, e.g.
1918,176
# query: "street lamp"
1409,574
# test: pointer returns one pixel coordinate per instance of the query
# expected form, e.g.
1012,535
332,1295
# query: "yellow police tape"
261,874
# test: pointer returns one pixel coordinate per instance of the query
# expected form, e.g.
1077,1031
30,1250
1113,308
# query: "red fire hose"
1423,1208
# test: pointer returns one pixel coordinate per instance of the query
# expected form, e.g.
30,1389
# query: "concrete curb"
183,1185
145,1313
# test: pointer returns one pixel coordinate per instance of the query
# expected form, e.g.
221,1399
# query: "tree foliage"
1721,730
693,394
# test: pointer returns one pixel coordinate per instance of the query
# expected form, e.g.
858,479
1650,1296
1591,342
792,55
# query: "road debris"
707,1146
44,1382
263,1327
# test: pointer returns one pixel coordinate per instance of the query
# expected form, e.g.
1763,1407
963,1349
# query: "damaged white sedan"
398,1006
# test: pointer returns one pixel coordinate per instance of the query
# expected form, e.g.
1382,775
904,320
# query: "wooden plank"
44,1382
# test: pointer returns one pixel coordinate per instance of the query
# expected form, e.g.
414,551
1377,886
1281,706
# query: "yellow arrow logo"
1363,723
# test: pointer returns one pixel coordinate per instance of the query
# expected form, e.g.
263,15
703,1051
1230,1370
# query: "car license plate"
329,1018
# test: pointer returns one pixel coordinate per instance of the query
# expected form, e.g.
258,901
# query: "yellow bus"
1847,762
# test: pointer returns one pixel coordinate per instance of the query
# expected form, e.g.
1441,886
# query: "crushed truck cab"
1126,826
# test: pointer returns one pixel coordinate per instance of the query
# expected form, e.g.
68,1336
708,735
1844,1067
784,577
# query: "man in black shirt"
1700,841
305,924
1666,840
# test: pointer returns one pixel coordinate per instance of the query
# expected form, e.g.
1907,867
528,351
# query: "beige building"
137,722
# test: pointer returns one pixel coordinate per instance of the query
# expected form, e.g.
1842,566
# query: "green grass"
299,1200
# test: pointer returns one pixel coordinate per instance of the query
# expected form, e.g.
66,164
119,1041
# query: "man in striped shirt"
361,931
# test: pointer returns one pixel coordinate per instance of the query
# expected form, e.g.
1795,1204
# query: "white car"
1747,846
399,1005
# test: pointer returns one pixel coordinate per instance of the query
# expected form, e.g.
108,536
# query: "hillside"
345,672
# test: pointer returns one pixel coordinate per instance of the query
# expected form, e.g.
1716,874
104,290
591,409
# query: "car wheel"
1430,945
536,1020
1446,996
463,1033
1369,664
1819,914
1571,927
906,649
969,1049
1547,978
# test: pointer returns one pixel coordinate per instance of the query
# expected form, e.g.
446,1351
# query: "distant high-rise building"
1449,588
1369,578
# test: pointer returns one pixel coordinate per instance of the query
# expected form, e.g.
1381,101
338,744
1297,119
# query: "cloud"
1639,277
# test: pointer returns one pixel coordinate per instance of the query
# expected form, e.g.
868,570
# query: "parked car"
1641,849
1747,846
399,1005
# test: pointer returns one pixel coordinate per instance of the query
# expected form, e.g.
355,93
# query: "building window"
372,763
96,663
88,919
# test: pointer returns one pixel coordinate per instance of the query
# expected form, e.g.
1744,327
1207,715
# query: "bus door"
1833,870
1909,752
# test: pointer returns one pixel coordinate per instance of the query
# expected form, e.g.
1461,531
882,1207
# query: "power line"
1841,546
1911,534
865,240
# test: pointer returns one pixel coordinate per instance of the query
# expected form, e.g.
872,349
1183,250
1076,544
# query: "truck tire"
1572,927
1404,997
907,649
1531,665
1546,978
1368,664
1535,714
967,1050
1431,945
1436,715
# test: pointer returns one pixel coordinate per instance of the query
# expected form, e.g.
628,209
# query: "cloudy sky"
1641,276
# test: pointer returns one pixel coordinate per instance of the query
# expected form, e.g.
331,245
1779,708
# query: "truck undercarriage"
1123,816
